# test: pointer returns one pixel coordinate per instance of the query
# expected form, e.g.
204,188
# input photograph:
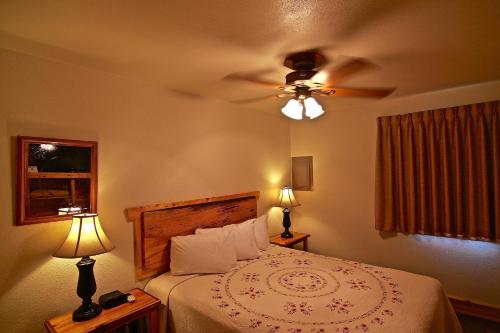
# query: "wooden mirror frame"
23,143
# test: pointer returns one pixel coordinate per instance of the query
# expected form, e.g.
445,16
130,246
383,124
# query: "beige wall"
339,213
154,146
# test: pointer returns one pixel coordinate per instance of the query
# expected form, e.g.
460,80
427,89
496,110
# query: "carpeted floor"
478,325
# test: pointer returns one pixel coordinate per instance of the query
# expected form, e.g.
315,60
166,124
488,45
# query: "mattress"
290,291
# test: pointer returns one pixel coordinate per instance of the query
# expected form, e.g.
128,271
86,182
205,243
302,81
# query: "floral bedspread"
289,291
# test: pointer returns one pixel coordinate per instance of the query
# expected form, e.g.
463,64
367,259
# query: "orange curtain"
438,172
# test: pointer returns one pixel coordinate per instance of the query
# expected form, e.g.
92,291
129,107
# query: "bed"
284,290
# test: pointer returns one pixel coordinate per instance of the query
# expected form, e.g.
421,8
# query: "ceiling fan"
312,76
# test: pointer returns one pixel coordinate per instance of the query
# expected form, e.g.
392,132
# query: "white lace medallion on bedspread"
297,292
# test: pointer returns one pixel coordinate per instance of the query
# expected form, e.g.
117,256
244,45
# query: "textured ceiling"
188,46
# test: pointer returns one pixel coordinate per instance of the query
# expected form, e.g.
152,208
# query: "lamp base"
286,224
85,289
86,312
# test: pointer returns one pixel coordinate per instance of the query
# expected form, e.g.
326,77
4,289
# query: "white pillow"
261,234
246,245
243,235
202,253
226,231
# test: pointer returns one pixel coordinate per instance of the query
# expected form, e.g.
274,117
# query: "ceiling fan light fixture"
293,109
313,108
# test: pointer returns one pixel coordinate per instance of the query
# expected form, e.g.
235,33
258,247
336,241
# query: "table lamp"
86,238
286,200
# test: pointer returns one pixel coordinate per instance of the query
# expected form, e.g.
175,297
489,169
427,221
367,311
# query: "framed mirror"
55,178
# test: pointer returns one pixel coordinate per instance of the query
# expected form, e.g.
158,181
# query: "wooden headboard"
154,225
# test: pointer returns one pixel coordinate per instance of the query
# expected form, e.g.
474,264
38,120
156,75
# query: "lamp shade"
313,109
85,238
293,109
286,198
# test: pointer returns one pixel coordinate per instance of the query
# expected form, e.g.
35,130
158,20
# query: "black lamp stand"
286,224
86,288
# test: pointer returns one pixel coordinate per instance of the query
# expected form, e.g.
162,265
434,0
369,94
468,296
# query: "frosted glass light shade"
293,109
313,108
286,198
86,238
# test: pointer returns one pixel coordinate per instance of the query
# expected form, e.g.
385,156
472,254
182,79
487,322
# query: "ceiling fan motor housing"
304,65
301,75
305,60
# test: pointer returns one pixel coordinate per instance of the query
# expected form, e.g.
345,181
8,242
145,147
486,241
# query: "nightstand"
144,305
290,242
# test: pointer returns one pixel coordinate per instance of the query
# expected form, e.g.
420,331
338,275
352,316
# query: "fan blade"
338,74
249,79
255,99
357,92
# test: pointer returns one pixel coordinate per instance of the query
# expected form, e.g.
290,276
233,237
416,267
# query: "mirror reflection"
59,179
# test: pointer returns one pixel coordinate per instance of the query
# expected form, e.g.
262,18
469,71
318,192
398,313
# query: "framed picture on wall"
55,177
302,173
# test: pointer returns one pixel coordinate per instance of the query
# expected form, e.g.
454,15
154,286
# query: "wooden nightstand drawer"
289,242
144,305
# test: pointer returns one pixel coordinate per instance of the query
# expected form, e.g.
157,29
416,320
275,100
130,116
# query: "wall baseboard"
476,310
